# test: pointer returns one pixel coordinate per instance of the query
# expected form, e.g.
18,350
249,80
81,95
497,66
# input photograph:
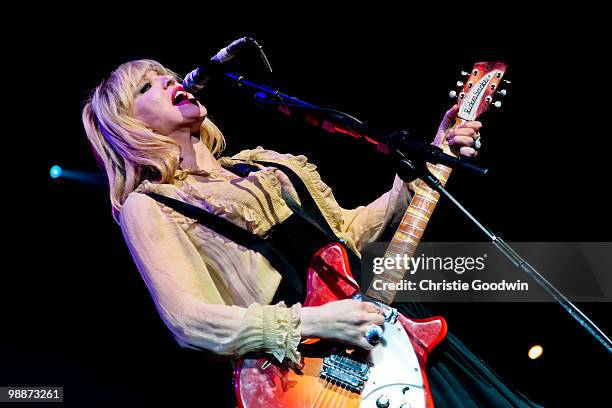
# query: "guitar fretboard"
411,228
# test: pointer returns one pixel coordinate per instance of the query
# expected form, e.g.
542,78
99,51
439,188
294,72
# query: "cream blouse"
214,294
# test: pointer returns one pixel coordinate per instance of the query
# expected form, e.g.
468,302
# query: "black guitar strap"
308,211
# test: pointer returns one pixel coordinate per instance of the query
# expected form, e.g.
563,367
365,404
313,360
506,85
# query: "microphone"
197,79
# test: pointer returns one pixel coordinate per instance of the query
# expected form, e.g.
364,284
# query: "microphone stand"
415,167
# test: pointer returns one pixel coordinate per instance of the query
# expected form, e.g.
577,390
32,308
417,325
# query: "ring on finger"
477,144
374,334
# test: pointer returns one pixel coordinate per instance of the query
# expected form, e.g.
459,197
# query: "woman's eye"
145,87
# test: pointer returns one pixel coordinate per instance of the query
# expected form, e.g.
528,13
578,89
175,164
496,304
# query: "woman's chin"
196,125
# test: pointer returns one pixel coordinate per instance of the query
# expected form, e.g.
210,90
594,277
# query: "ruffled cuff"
282,331
294,337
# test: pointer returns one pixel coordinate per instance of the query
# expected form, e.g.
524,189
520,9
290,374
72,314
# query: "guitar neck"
411,229
481,85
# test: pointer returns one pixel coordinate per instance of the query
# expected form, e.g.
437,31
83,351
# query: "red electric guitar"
392,375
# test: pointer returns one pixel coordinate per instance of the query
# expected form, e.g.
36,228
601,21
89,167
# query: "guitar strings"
335,390
346,394
319,394
335,395
328,393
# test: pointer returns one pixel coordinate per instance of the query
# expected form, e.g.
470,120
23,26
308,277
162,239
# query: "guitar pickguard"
395,371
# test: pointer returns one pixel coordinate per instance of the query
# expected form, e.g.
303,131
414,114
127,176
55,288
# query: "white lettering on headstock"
469,107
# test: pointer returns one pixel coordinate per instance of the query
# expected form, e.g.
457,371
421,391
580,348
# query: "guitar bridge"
346,371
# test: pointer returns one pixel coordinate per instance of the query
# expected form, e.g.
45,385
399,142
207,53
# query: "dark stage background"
77,313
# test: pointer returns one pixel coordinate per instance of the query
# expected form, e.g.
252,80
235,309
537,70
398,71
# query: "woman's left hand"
461,140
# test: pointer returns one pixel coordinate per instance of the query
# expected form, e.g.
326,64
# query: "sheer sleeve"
185,295
364,224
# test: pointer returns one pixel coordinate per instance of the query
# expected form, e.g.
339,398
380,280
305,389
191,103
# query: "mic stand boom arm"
397,141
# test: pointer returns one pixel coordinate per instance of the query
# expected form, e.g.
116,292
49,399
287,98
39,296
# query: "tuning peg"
502,92
497,104
452,94
506,81
464,73
459,83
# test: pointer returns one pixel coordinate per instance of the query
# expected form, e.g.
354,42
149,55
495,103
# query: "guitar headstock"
479,89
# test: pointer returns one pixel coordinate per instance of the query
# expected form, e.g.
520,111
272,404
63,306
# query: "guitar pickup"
346,371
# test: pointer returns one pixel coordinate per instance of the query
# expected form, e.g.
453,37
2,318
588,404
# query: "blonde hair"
128,151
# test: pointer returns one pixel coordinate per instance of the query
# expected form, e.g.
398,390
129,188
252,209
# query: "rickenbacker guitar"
392,375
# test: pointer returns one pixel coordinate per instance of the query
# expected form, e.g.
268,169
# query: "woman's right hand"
344,320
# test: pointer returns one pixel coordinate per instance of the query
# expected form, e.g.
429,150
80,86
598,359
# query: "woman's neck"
195,154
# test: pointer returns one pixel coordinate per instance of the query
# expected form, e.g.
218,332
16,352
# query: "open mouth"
180,97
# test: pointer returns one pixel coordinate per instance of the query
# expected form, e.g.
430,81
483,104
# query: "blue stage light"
56,171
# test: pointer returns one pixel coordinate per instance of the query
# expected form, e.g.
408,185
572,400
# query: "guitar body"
333,375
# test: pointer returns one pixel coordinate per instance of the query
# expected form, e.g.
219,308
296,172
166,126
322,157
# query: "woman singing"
212,293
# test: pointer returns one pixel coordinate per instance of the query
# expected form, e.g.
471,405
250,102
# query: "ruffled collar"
217,173
320,191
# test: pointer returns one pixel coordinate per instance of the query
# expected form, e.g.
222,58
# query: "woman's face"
163,105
